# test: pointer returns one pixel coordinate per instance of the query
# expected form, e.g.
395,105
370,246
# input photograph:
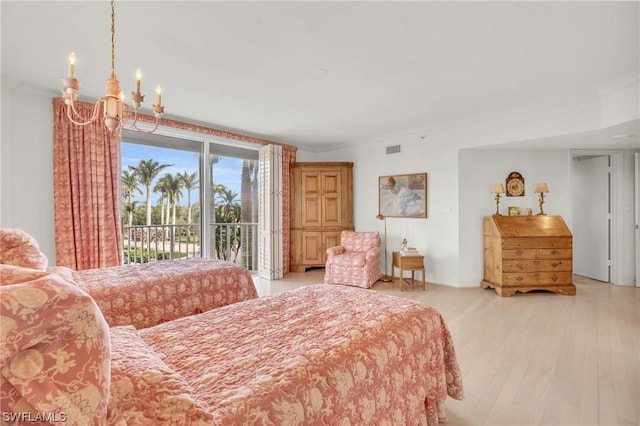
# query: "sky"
227,170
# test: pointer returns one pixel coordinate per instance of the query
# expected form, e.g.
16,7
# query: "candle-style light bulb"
159,97
138,78
72,65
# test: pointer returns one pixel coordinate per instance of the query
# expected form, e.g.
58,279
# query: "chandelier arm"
133,125
77,116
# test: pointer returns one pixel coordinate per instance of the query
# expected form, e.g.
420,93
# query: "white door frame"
617,208
637,215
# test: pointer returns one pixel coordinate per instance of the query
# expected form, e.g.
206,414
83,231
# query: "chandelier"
112,106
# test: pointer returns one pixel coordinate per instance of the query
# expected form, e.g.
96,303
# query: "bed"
142,295
152,293
321,354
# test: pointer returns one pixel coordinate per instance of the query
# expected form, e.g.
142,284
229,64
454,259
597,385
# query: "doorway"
591,203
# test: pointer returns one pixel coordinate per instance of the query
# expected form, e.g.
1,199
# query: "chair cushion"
349,259
359,241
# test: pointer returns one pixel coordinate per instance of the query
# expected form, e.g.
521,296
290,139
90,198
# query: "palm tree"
227,211
146,171
129,208
189,182
129,186
229,207
247,192
174,192
162,186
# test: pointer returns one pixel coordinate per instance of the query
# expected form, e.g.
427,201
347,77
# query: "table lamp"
541,188
497,190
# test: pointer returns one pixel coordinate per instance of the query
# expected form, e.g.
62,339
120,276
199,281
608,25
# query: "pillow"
54,348
144,390
21,249
65,272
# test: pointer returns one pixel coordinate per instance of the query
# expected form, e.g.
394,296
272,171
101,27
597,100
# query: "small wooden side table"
408,263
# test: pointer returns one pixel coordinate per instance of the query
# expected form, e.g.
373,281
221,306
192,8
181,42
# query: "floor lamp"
385,278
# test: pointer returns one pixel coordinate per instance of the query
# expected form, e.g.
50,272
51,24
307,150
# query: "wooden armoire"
525,253
321,208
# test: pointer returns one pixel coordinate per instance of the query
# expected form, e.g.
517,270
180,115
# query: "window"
170,212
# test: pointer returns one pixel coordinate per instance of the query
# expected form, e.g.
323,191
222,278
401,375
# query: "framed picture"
514,211
403,195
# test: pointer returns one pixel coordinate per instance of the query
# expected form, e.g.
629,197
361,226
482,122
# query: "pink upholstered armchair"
355,261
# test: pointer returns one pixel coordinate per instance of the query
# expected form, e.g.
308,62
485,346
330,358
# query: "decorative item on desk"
514,211
385,278
410,251
541,188
405,250
497,190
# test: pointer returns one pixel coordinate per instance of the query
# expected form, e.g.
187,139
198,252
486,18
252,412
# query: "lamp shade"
498,188
541,188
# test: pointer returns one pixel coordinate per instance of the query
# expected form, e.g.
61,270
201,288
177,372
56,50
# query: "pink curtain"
87,188
288,158
86,191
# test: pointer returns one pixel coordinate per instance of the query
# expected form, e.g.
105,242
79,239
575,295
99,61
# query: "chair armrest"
333,251
373,253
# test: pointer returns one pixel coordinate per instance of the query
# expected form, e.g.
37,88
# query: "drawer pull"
554,278
520,266
555,252
519,252
555,265
520,278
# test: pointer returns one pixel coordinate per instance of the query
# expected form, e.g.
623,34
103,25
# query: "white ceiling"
321,75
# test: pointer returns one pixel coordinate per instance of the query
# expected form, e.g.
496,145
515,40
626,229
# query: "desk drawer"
536,242
555,253
519,254
523,279
536,265
555,278
408,262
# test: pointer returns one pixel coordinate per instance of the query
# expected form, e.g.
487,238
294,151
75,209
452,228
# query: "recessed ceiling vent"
394,149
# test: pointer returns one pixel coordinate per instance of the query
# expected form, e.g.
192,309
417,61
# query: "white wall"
27,163
435,237
461,171
479,169
460,175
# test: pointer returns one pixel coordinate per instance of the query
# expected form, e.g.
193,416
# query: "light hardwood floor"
533,359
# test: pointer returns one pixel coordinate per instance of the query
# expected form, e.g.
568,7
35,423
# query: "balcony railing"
234,242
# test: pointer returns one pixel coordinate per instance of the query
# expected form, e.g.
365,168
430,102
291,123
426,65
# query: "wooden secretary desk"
525,253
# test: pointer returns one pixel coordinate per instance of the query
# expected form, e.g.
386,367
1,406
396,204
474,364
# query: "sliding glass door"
170,211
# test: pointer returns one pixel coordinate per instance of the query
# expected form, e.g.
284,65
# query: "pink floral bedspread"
322,354
152,293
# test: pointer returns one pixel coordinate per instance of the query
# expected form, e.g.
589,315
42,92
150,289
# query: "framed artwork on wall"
403,195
